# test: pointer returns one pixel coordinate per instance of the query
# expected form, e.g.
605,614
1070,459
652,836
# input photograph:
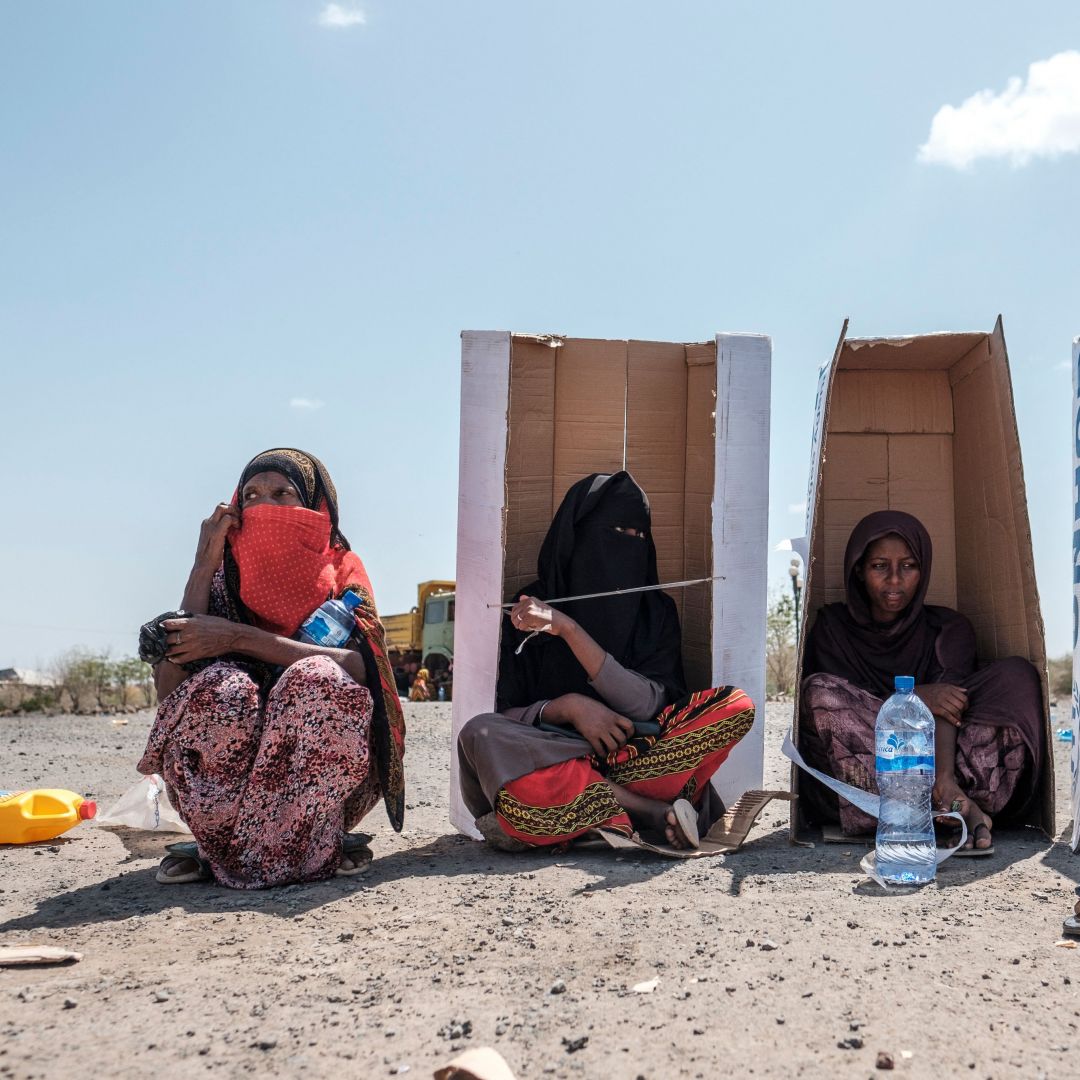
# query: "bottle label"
903,751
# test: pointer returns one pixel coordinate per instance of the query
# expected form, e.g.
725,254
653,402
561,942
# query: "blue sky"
214,212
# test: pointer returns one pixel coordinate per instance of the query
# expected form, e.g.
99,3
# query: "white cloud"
305,404
1027,120
797,508
338,17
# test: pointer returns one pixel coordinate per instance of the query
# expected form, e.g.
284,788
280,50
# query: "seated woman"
595,727
272,749
989,730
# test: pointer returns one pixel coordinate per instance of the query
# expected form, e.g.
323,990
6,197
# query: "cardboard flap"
726,835
926,424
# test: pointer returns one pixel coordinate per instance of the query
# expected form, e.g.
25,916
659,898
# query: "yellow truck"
426,633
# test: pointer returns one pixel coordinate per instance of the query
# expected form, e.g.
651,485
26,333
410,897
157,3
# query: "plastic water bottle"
332,624
904,749
30,816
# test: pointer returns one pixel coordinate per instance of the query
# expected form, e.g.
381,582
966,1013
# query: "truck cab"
437,637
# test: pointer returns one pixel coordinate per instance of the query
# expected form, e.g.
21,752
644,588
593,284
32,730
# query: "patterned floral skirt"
837,737
555,804
267,789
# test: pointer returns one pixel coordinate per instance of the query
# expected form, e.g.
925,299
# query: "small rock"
346,936
781,1020
575,1044
265,1043
852,1043
160,996
884,1060
767,945
558,987
70,1003
852,924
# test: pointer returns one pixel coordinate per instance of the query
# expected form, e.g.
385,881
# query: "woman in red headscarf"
273,749
989,745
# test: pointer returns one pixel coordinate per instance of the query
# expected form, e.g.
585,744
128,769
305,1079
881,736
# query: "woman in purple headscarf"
990,738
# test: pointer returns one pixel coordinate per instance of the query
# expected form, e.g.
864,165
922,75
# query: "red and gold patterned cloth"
556,804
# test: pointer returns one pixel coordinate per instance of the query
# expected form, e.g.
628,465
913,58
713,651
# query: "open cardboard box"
1075,718
926,424
691,423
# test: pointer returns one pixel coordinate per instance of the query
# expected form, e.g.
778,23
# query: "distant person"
594,727
273,749
989,747
421,687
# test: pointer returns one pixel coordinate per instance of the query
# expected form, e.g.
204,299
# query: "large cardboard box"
690,422
927,425
1075,714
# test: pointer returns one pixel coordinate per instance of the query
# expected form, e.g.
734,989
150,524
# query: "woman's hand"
212,535
200,637
530,614
945,702
604,729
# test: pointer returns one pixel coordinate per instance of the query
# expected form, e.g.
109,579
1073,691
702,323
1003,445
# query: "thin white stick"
620,592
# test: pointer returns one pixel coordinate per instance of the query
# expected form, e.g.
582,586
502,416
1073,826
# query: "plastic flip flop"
687,817
189,850
974,852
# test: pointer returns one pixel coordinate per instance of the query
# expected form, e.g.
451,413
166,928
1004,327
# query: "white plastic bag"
145,806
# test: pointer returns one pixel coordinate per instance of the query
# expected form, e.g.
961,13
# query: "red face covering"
287,566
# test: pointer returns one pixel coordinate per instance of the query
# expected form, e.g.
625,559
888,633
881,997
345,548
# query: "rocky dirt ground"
775,962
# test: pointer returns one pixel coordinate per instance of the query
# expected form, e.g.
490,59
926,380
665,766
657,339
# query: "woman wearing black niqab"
594,727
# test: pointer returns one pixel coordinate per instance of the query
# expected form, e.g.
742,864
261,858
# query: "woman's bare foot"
652,816
948,796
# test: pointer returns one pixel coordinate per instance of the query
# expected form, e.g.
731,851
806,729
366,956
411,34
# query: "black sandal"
977,852
185,851
355,846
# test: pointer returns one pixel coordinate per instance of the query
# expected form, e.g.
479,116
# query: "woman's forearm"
197,591
944,750
283,651
588,654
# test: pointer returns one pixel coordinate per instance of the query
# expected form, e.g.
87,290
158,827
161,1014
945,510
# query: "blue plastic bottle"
904,749
332,624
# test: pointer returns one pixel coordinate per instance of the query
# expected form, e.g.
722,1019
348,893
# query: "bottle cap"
351,600
904,684
87,810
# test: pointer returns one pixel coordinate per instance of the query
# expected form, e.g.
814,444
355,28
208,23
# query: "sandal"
977,852
687,817
354,847
186,852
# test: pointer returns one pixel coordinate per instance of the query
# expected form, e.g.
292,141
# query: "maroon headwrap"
933,644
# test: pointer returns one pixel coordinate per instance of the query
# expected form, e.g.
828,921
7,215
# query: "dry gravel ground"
776,962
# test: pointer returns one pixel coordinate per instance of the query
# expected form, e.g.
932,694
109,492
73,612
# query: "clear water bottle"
904,749
332,624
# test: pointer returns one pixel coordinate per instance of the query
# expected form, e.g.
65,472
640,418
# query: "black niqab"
584,552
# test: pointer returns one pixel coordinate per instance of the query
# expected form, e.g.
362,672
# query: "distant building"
26,677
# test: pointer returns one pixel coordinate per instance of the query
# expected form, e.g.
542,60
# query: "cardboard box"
690,422
927,425
1075,717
